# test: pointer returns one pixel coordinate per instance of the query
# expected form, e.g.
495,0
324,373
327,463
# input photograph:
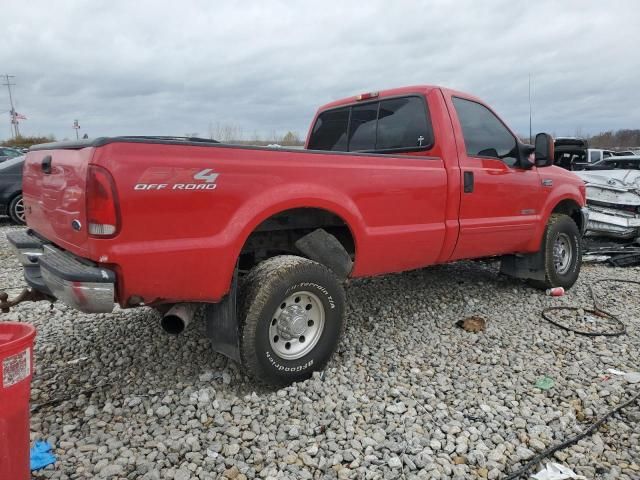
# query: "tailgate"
53,187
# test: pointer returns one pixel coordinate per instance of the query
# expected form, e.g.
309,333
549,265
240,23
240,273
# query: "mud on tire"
282,303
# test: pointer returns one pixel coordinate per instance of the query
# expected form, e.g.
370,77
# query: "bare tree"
291,138
230,133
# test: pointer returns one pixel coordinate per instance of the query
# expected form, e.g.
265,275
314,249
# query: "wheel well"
570,208
278,234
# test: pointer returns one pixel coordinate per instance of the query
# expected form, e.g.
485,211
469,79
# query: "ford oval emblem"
76,225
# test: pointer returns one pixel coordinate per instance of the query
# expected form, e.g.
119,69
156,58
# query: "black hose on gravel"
571,441
597,311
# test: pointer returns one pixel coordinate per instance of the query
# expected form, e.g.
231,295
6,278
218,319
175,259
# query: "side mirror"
544,150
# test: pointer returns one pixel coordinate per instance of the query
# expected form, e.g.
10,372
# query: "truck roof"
394,92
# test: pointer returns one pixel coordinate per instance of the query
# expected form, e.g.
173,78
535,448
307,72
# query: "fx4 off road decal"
206,181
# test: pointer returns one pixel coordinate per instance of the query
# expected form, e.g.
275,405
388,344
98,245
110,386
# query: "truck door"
500,203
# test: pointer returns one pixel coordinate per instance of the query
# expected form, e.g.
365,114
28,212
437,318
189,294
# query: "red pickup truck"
261,239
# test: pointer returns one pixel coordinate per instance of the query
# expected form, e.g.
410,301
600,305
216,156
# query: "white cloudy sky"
170,68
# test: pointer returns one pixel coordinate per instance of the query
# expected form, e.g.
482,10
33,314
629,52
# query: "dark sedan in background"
8,152
631,162
11,189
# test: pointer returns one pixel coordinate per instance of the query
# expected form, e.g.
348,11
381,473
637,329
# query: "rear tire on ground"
562,251
16,210
291,312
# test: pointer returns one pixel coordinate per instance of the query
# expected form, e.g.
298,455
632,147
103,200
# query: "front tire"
17,211
562,252
291,312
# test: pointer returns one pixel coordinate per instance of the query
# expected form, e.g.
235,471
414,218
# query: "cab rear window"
330,131
392,125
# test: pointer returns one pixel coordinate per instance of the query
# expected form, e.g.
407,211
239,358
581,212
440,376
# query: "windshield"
10,152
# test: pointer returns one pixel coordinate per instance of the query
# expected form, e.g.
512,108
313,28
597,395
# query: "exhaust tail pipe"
178,317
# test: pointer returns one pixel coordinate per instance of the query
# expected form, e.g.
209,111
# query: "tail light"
103,218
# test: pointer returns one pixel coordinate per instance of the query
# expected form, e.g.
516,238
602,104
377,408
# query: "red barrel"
16,367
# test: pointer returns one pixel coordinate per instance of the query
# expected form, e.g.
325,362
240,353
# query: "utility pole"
530,132
15,131
76,126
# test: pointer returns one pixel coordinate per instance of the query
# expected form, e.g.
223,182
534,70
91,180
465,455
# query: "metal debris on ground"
620,253
631,377
75,361
555,471
594,258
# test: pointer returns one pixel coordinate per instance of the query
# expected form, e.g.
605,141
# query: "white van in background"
596,154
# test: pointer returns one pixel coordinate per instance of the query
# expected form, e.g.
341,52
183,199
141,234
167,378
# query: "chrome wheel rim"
18,210
296,325
562,253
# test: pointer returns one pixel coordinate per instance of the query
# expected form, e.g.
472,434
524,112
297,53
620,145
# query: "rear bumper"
74,281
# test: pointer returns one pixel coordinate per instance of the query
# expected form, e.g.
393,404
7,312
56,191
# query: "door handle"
46,164
468,182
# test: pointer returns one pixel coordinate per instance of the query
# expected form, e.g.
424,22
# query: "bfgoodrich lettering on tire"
291,314
562,252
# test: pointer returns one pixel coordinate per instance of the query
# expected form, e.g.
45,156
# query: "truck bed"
197,202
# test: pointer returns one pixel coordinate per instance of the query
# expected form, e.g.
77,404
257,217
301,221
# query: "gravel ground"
408,394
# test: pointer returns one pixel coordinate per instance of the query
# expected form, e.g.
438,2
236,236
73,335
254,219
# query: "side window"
399,124
330,131
594,156
402,123
484,134
362,128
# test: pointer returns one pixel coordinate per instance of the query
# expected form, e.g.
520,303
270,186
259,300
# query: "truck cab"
477,147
